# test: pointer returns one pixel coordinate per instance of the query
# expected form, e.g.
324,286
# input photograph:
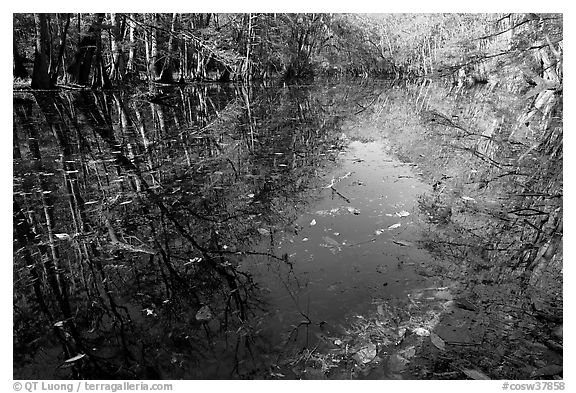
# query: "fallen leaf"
402,243
312,223
264,231
421,332
469,199
402,213
204,314
331,241
437,341
475,374
408,352
353,210
73,359
149,311
394,226
366,354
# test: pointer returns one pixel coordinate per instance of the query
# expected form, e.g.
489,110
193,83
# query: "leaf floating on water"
469,199
305,239
313,222
338,341
204,314
250,195
75,358
149,311
193,260
353,210
402,213
475,374
437,341
59,324
331,241
378,232
402,243
331,244
394,226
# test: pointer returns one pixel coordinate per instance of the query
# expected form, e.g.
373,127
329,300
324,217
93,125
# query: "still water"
221,231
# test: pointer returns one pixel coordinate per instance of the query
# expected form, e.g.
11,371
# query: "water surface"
221,231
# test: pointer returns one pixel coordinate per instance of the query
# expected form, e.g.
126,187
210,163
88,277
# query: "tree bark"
166,71
56,67
80,68
131,34
117,66
40,77
19,69
154,72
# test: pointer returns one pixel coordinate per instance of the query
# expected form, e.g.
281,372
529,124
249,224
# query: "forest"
288,196
103,50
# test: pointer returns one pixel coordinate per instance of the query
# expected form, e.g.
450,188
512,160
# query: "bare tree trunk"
56,67
80,68
40,77
100,78
248,47
154,48
117,66
166,72
19,69
147,47
131,34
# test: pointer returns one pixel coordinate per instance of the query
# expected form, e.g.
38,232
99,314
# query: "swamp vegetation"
287,196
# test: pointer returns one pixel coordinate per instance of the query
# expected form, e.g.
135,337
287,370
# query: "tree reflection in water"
133,211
